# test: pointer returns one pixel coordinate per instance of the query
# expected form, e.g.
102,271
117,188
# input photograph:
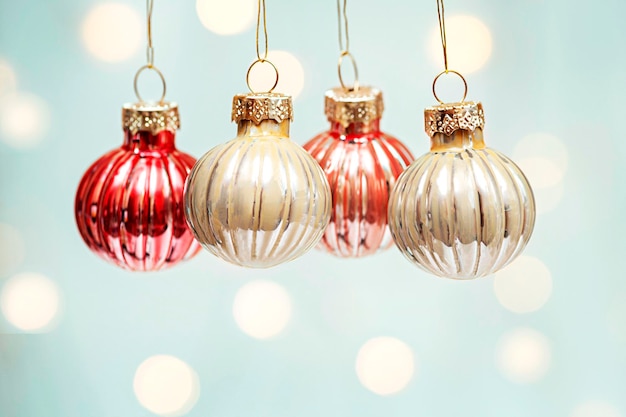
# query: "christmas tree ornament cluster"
460,211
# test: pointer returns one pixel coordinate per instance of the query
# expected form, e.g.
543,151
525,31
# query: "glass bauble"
361,164
129,204
463,210
260,199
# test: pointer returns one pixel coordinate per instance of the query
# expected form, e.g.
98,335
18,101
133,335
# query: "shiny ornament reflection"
129,203
361,164
260,199
463,210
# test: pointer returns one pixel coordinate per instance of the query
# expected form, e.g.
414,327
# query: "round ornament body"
260,199
361,164
463,210
129,203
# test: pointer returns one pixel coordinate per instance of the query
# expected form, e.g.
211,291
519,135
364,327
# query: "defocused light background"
320,336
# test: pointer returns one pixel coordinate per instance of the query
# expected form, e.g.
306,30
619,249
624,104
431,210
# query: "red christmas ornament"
129,204
361,164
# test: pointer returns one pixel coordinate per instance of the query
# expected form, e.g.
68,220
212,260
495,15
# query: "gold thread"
149,57
345,52
444,46
261,15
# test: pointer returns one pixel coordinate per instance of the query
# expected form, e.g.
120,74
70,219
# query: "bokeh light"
30,302
469,44
8,79
523,355
544,159
24,120
112,32
12,248
385,365
523,286
262,309
226,17
291,80
595,409
166,385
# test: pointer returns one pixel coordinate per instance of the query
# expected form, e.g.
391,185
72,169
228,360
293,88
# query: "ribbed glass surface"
463,212
129,204
258,200
361,164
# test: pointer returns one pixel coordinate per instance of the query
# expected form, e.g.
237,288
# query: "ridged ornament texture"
462,214
129,204
361,169
257,201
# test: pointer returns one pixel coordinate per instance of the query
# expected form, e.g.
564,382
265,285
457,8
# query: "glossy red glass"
361,164
129,204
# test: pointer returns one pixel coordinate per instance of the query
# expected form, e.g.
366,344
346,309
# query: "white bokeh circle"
12,248
385,365
524,285
30,302
595,409
24,120
226,17
262,309
469,44
523,355
291,74
165,385
112,32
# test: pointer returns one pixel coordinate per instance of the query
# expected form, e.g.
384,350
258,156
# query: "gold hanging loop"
444,46
149,57
342,17
261,58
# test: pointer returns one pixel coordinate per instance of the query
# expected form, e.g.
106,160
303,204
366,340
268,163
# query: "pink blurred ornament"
361,164
129,204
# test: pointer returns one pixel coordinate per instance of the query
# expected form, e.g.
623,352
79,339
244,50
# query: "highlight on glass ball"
462,210
260,199
361,164
129,203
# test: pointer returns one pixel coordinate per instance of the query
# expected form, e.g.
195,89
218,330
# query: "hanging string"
149,56
341,15
261,13
444,46
150,49
442,32
342,22
261,57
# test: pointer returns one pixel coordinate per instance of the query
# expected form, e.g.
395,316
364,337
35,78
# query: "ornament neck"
355,128
458,140
265,128
142,141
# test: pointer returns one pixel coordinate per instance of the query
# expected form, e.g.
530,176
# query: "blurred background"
319,336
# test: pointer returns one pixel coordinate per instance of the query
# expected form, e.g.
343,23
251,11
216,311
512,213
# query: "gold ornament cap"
150,117
258,107
449,117
353,106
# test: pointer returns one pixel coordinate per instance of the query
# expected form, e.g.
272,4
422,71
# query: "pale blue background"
557,67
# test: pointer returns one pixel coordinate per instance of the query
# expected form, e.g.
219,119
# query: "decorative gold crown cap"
450,117
150,117
262,106
347,107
